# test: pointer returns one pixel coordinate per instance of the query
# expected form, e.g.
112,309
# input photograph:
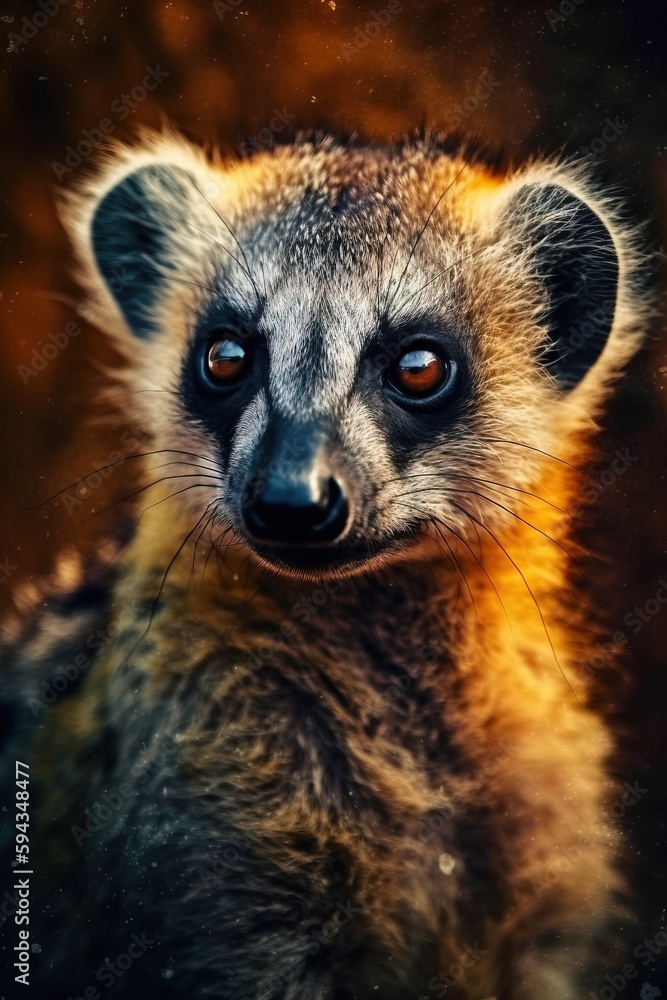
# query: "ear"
572,252
132,234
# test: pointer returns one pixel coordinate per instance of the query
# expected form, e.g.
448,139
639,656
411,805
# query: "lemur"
328,735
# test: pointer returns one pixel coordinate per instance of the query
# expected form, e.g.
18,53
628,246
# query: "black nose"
296,513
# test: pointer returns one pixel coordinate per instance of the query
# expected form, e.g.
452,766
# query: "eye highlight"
419,373
227,361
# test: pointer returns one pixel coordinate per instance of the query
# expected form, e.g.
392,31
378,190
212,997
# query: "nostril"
334,511
289,514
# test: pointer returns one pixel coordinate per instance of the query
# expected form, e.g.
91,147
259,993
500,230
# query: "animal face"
352,344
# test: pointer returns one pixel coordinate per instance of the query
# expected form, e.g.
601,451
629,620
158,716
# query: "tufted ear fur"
132,233
573,253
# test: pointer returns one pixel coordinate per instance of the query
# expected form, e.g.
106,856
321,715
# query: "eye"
227,361
420,373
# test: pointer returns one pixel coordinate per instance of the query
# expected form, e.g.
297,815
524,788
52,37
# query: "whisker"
234,237
459,260
533,599
206,469
547,536
518,489
207,524
378,281
219,556
416,242
546,454
192,486
421,510
222,247
186,281
445,477
166,574
459,567
137,392
448,492
523,520
448,557
475,557
111,465
142,489
214,545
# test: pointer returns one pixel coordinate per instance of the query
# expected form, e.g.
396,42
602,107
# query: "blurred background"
577,75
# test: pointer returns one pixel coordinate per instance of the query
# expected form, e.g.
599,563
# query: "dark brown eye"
227,361
419,373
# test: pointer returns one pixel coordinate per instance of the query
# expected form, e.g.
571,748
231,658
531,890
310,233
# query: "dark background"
554,76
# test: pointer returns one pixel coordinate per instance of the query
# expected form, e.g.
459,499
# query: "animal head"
346,339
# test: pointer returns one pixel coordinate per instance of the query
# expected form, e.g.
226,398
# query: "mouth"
336,561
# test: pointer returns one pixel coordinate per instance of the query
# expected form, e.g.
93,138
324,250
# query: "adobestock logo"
66,674
120,108
599,484
364,34
610,133
469,957
110,972
565,861
484,87
6,569
616,982
222,7
41,356
264,138
564,10
226,861
641,614
32,25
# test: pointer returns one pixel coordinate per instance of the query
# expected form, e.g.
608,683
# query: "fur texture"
352,773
